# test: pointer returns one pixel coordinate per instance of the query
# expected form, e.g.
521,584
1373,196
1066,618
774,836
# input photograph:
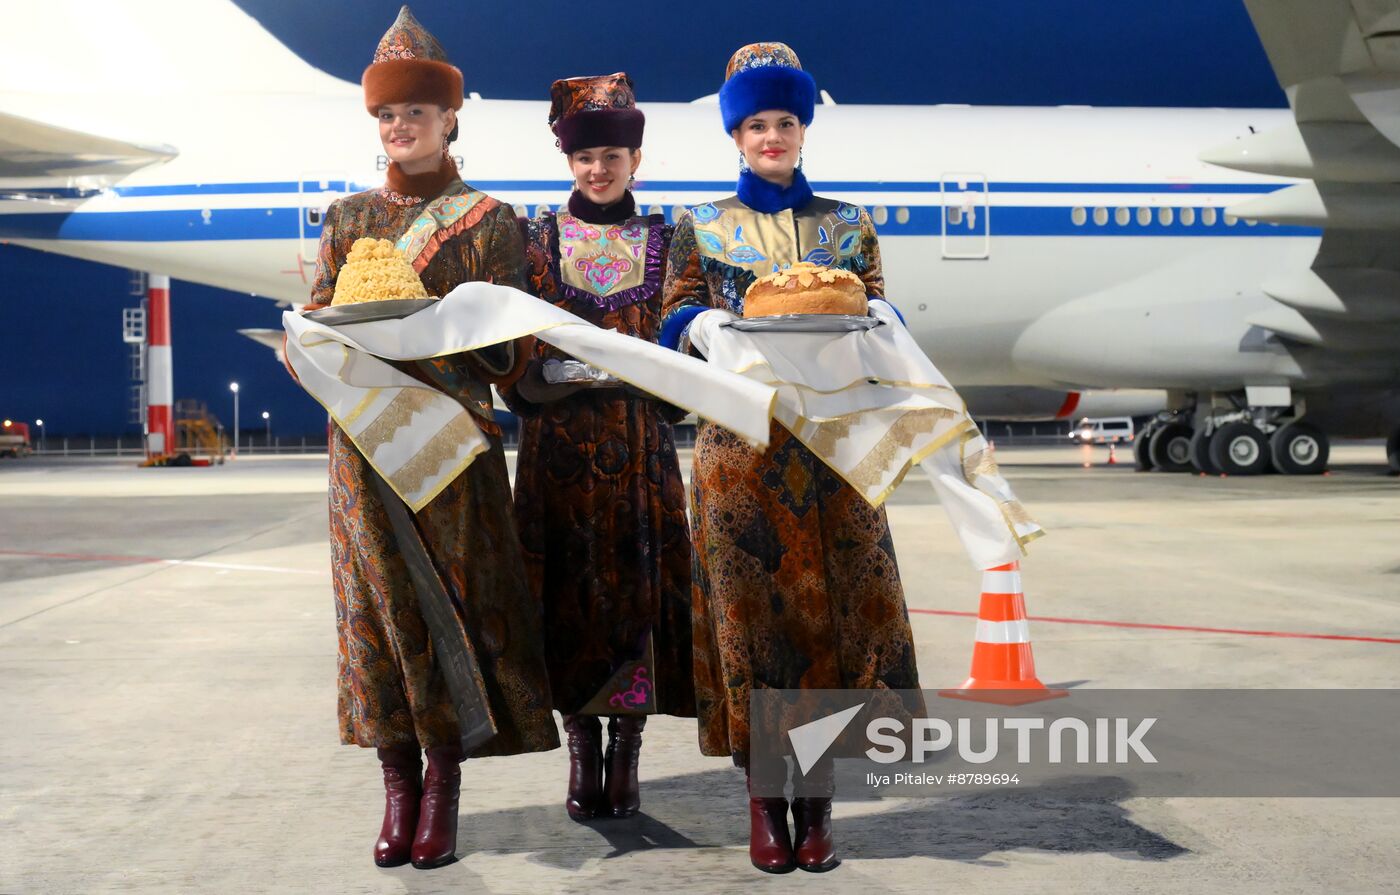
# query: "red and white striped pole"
160,384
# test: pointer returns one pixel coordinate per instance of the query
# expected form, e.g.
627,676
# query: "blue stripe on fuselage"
282,223
721,187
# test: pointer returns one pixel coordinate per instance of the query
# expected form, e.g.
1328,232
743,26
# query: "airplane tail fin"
149,48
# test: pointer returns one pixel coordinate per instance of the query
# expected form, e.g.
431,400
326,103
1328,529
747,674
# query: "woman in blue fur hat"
795,579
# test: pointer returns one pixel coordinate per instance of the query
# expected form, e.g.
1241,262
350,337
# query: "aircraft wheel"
1392,451
1200,453
1239,449
1170,449
1299,449
1141,443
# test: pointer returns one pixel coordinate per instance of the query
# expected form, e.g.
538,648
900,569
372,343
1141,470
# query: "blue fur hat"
765,76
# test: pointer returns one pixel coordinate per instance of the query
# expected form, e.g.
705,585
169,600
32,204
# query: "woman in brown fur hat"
392,692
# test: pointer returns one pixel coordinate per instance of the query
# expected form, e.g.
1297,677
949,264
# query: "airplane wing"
268,338
1339,63
33,149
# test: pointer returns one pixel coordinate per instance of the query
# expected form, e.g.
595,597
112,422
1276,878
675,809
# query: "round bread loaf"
806,288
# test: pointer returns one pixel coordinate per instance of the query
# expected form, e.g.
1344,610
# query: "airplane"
1235,266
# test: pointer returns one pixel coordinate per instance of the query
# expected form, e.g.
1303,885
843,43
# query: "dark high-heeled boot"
623,756
816,849
811,817
584,734
403,787
436,842
770,842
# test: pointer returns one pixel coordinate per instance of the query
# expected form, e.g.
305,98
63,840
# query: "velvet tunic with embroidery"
795,579
599,496
391,691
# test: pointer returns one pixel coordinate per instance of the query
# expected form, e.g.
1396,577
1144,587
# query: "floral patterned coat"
795,581
391,691
599,496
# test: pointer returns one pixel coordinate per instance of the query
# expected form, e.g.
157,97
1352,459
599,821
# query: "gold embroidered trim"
896,440
442,447
361,407
398,414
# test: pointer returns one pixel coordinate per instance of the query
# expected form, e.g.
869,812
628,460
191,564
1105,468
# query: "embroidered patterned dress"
390,689
795,583
599,494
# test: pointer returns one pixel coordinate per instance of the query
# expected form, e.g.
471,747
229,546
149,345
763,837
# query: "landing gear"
1299,449
1141,444
1170,449
1392,452
1239,448
1200,452
1232,437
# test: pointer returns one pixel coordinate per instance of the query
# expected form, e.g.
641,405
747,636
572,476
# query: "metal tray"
369,311
574,372
804,323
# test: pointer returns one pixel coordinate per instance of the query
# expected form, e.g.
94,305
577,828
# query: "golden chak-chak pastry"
806,288
376,271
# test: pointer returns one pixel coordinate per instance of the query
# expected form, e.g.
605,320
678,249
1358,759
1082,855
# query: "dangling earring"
631,179
799,159
446,153
743,163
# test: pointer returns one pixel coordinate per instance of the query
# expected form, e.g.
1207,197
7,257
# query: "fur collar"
421,186
767,197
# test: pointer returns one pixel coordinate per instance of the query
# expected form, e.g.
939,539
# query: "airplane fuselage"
1044,247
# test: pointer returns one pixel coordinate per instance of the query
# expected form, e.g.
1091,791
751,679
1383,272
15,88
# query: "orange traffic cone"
1112,458
1003,670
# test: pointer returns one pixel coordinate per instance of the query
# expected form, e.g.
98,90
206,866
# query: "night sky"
60,319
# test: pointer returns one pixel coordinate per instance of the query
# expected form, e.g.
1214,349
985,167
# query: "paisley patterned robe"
599,496
391,691
795,580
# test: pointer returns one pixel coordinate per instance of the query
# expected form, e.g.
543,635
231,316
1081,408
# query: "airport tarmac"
167,684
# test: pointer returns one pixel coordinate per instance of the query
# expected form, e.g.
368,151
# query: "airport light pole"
267,421
43,435
233,387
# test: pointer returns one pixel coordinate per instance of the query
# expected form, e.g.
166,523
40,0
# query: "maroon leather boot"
816,849
436,842
403,787
811,816
624,754
770,842
584,734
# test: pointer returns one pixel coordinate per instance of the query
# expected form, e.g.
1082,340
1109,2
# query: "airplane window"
1100,216
541,209
954,215
676,212
313,216
1231,220
1188,216
1250,222
901,215
881,214
1165,216
1079,216
656,209
1144,217
1120,216
1208,217
520,211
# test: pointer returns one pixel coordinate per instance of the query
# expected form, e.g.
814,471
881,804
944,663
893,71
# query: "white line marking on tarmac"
238,567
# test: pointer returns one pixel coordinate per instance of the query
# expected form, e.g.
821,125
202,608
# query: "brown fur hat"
410,66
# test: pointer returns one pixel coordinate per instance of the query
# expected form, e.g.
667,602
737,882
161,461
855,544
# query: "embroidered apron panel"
602,258
825,232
